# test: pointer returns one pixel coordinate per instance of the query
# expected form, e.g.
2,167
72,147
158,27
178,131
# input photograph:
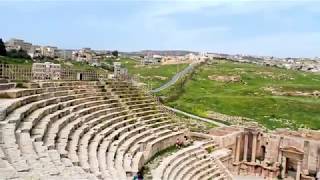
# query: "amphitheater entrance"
291,163
79,76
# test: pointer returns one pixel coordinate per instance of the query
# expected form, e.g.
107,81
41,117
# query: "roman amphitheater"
109,128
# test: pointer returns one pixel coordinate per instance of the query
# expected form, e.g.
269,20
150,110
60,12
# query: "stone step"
7,86
4,81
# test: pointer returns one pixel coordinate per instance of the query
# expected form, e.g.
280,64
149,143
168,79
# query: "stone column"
280,156
238,148
245,152
298,170
254,146
305,161
284,164
234,151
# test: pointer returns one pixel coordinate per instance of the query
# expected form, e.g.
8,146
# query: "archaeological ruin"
85,125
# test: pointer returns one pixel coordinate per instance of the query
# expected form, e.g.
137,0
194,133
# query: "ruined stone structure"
276,154
46,70
118,71
87,130
109,129
42,71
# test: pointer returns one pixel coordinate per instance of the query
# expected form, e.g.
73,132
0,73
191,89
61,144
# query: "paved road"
195,117
175,78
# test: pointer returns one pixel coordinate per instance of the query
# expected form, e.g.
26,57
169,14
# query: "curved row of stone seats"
199,167
136,138
46,87
186,163
49,133
105,147
133,102
70,134
118,125
6,84
59,125
115,155
38,122
26,96
130,101
138,106
120,129
121,172
29,138
84,144
73,102
134,98
126,91
113,145
132,152
116,146
141,105
210,173
23,158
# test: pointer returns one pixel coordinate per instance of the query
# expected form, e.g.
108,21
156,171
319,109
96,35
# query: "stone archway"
293,157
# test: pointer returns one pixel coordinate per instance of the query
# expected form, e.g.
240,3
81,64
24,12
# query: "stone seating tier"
178,165
11,149
80,130
6,86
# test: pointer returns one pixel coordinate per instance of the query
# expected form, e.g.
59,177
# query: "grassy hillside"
9,60
249,97
155,75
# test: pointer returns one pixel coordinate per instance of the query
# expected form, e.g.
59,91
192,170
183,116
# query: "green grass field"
248,98
155,75
9,60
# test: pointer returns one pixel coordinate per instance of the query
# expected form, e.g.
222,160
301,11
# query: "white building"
83,55
155,59
49,51
35,52
17,44
64,54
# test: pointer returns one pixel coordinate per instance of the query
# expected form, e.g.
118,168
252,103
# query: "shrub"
209,149
18,54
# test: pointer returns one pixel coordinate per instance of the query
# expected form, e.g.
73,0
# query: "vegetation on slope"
154,75
249,97
10,60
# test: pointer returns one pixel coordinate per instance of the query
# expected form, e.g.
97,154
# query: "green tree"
115,53
3,51
18,54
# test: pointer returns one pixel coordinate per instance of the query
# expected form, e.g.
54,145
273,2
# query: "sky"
257,27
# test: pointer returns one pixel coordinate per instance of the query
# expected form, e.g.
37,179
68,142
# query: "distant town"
150,57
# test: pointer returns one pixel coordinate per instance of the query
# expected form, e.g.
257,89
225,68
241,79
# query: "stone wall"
271,151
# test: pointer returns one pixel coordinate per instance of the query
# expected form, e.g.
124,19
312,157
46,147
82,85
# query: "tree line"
13,52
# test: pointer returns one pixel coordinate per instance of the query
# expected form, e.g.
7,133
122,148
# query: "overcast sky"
278,28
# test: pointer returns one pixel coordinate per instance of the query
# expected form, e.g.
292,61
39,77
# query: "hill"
271,96
154,75
160,52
